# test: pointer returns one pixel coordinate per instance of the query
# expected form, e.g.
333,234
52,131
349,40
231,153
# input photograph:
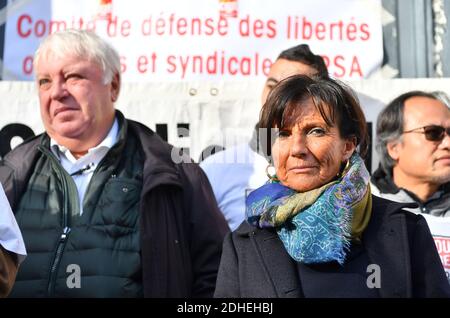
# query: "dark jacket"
255,263
181,227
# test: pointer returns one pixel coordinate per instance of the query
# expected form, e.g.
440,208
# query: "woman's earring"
347,165
272,177
343,171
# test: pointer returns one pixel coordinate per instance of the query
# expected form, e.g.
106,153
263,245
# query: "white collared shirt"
10,235
91,160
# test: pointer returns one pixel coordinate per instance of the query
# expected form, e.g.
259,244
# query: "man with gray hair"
413,142
103,208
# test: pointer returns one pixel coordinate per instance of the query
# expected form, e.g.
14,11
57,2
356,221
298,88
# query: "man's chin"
442,177
67,133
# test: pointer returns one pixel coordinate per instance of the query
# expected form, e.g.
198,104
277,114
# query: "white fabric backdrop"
222,113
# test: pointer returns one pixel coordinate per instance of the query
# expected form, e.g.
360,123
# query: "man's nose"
59,90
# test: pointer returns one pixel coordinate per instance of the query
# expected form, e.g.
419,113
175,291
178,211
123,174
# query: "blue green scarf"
316,226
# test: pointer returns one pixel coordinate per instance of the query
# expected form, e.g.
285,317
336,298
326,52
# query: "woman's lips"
302,169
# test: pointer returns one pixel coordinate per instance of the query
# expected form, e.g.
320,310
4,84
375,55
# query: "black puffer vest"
96,254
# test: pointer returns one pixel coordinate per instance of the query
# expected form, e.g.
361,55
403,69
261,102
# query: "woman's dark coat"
255,263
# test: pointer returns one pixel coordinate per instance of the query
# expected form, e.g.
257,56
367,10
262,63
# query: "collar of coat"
161,158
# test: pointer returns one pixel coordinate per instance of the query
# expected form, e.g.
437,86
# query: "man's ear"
393,148
115,87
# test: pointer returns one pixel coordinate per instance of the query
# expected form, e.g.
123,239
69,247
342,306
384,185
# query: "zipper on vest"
68,190
57,259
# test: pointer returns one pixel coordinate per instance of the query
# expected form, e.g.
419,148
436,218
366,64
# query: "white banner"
194,115
440,229
212,40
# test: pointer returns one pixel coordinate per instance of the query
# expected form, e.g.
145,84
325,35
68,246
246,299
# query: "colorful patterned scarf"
316,226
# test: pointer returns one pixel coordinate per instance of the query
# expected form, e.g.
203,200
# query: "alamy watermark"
264,139
374,278
74,278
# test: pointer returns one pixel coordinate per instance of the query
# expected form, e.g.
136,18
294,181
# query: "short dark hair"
302,53
335,101
390,123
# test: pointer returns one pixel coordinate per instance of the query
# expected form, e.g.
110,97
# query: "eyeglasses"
432,132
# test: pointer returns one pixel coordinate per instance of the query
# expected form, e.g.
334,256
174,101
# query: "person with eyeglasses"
413,143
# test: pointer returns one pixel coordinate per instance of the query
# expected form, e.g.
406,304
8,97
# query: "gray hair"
84,44
390,124
442,97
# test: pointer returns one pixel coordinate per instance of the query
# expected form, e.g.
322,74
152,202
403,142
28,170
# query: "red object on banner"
105,10
228,8
443,247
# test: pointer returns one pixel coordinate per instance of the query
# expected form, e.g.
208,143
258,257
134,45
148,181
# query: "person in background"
104,209
236,171
12,247
316,230
413,142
